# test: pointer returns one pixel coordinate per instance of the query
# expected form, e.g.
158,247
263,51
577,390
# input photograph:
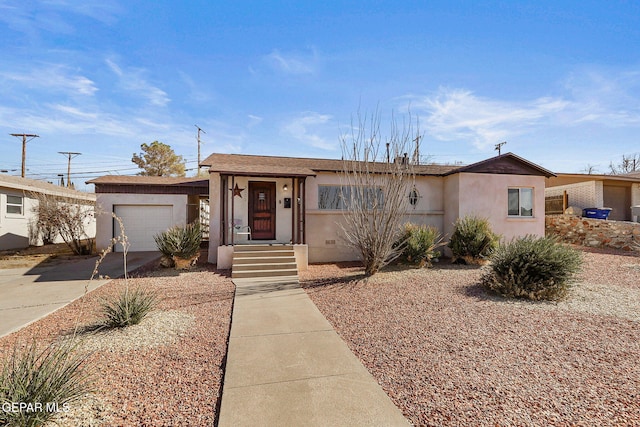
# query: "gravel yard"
447,353
165,371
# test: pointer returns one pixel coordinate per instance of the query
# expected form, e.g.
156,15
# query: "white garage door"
141,223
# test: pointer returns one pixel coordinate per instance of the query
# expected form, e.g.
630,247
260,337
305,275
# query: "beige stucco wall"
105,207
325,238
486,195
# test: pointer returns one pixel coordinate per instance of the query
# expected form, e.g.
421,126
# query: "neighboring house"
285,199
17,201
618,192
147,205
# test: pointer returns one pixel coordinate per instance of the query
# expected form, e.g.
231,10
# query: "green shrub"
57,376
472,240
180,241
420,244
128,308
533,268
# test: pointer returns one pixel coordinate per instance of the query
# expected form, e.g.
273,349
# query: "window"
14,205
336,197
521,202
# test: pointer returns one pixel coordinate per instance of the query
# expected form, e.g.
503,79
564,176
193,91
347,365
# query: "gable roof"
508,164
252,165
29,185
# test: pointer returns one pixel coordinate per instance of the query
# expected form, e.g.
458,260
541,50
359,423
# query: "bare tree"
67,217
590,169
376,181
629,163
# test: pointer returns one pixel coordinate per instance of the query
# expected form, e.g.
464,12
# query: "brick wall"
594,232
588,194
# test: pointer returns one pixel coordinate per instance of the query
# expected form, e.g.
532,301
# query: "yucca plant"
37,384
472,240
536,268
128,308
180,242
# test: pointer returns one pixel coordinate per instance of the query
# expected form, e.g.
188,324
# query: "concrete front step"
245,248
263,273
238,260
266,266
274,253
254,261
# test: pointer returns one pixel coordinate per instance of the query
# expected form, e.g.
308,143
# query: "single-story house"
18,198
147,205
618,192
290,200
271,200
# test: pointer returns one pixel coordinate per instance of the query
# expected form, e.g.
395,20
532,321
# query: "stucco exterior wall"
635,200
18,231
105,207
486,195
324,233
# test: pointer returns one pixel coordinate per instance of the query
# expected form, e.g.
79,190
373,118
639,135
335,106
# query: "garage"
141,223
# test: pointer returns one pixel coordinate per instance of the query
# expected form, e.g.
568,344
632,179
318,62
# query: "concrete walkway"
29,294
287,366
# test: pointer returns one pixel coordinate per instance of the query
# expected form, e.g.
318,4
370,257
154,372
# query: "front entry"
262,210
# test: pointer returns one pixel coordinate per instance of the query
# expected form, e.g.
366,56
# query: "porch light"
285,187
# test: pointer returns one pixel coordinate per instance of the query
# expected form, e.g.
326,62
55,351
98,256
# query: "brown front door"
262,210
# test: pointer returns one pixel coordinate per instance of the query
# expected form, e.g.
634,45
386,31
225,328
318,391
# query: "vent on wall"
329,242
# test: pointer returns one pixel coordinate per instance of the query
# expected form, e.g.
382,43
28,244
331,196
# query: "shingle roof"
34,185
149,180
243,164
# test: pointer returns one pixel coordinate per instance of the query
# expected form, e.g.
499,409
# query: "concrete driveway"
29,294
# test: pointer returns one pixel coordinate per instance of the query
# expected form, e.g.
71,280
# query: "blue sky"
558,80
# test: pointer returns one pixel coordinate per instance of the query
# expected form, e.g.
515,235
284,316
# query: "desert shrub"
472,240
420,244
536,268
57,375
128,308
180,241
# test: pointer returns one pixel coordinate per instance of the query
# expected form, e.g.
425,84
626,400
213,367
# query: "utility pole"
416,153
70,156
498,146
199,130
24,147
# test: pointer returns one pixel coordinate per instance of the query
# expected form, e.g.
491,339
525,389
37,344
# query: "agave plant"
180,242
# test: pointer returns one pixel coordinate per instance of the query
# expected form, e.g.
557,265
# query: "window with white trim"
14,205
520,201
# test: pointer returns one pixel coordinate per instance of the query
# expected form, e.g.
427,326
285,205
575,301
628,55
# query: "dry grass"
447,353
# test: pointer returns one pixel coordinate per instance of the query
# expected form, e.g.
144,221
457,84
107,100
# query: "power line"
24,147
70,155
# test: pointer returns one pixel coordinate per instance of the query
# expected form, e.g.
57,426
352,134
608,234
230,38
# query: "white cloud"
53,78
254,120
590,98
292,64
307,129
132,81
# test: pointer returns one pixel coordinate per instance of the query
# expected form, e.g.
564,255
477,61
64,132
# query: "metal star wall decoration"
237,191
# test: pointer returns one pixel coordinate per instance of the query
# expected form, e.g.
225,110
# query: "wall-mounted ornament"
237,191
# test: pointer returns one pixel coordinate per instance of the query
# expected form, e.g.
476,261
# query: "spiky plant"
128,308
420,244
36,384
180,241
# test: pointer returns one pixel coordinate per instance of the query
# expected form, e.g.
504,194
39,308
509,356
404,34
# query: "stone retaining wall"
594,232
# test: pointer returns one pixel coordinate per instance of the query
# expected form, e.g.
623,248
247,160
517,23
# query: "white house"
17,200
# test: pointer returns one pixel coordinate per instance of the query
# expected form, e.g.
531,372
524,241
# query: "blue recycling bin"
597,213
